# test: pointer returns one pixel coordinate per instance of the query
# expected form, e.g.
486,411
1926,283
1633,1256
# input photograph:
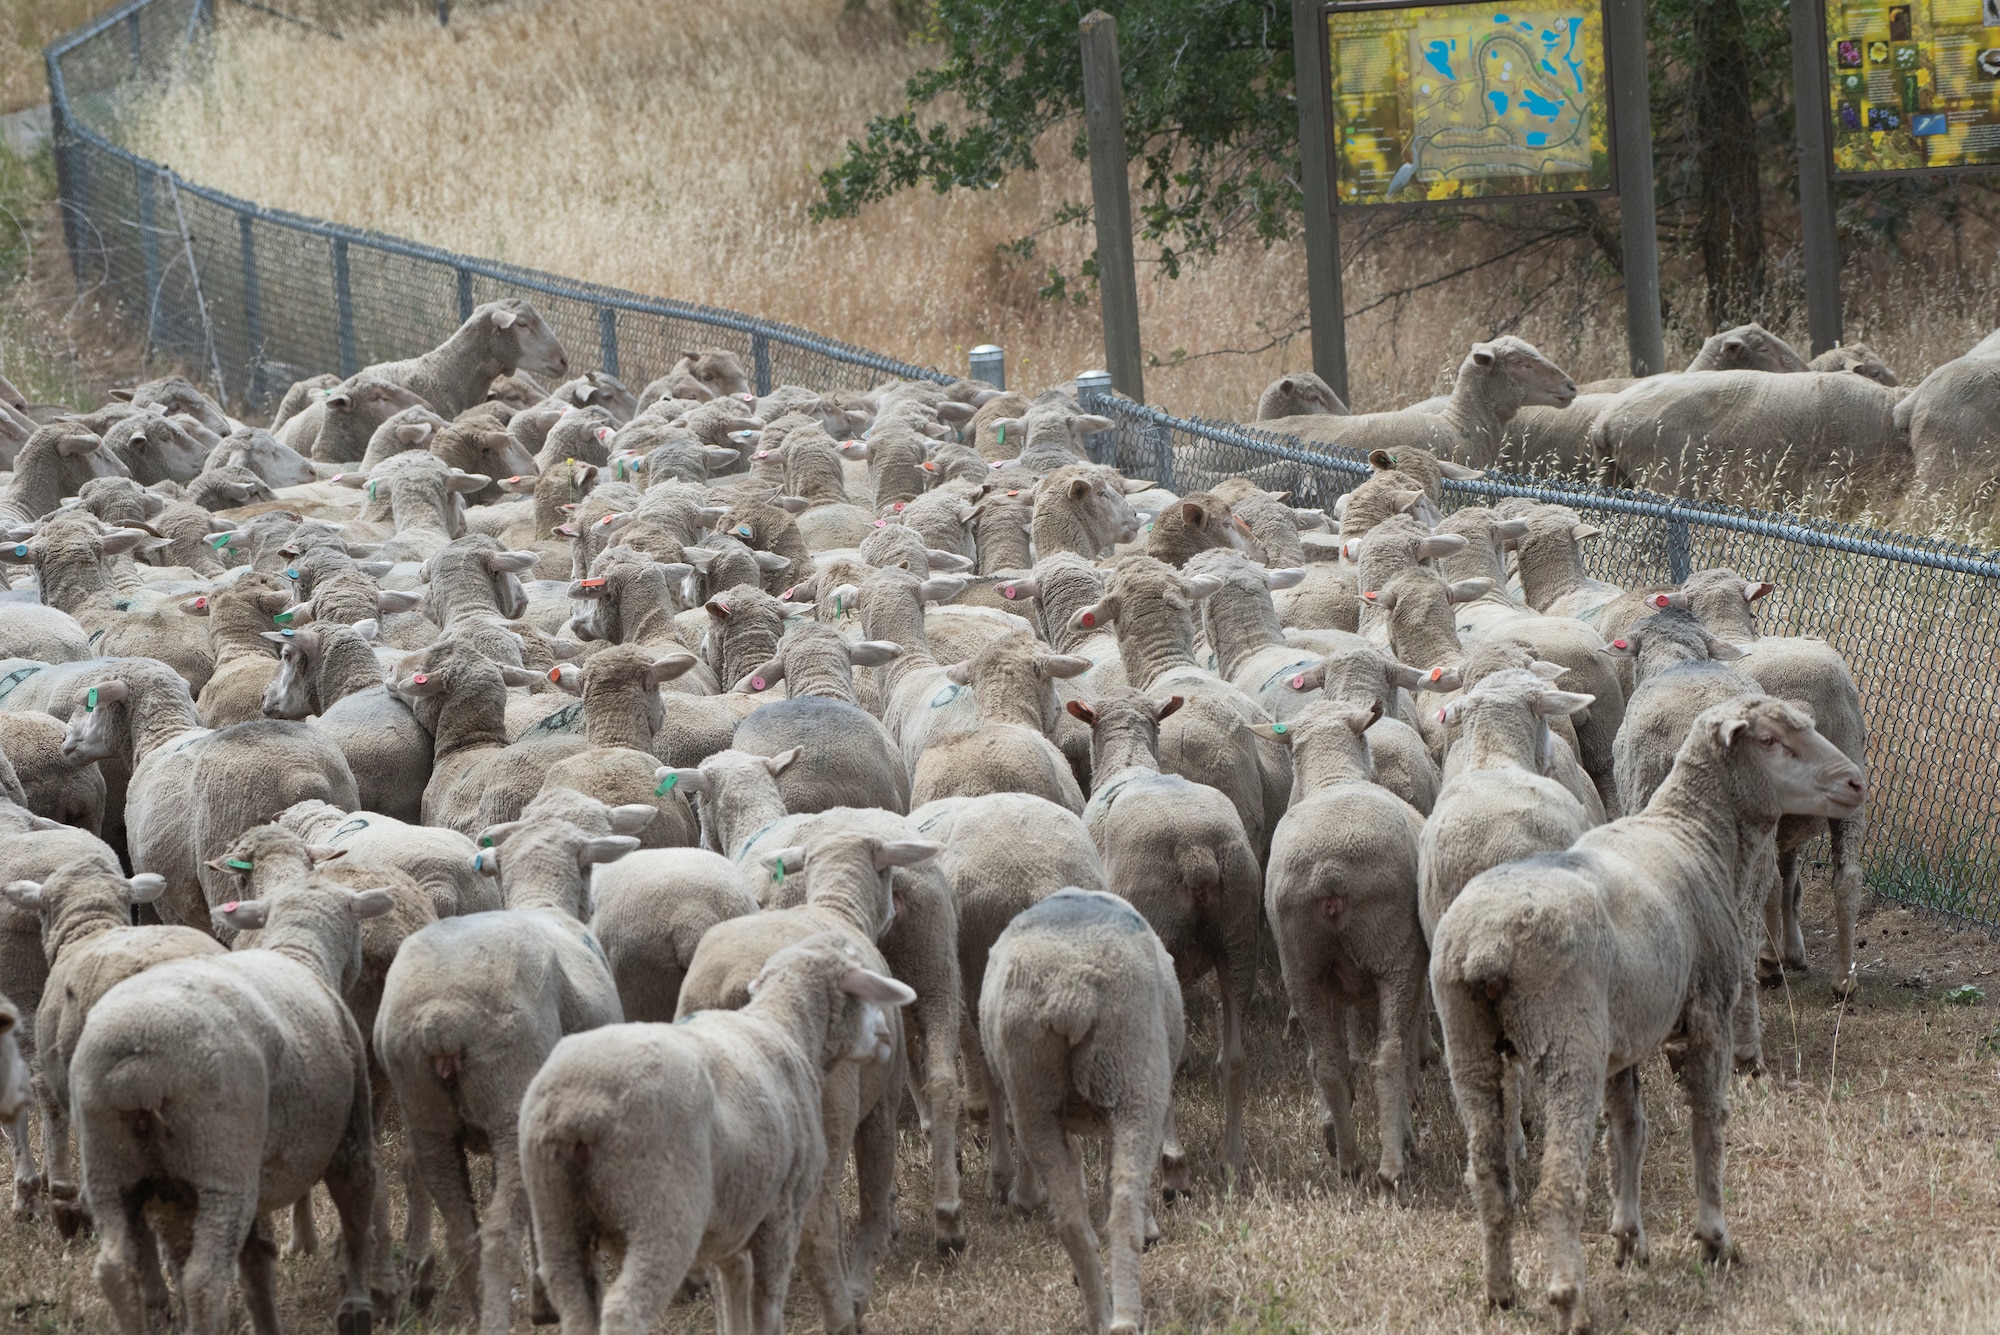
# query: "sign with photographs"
1437,103
1915,86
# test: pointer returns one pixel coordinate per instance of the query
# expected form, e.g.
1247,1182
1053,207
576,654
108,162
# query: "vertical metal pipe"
1812,105
607,339
149,244
988,362
760,357
343,297
464,295
1323,296
253,301
1632,122
1111,203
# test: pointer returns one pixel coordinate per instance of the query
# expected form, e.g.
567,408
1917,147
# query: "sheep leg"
1173,1161
1704,1075
500,1235
416,1234
66,1206
1055,1155
27,1174
1625,1116
305,1229
735,1278
649,1274
1792,941
1399,999
1324,1017
1571,1098
1748,1021
875,1183
1479,1080
566,1233
122,1260
1845,838
223,1222
1239,981
933,1055
1000,1167
256,1271
441,1165
1135,1143
772,1248
824,1252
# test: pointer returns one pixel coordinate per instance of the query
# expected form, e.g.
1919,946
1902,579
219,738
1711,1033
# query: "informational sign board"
1914,86
1434,103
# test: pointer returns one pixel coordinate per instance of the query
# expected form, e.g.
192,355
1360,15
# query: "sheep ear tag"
1009,592
291,574
371,491
1280,728
666,785
757,683
237,864
594,583
280,618
219,541
1002,429
778,871
20,549
90,700
742,530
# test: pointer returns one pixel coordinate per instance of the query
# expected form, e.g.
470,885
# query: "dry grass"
669,147
1861,1189
26,26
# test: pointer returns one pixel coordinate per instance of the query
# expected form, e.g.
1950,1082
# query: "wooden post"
1323,299
1111,198
1811,104
1632,120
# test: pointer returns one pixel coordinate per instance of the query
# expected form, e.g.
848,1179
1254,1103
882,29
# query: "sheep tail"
1200,874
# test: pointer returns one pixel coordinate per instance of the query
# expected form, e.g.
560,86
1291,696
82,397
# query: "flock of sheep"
1750,422
651,793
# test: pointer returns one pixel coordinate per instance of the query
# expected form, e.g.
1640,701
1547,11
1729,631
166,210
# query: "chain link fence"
258,297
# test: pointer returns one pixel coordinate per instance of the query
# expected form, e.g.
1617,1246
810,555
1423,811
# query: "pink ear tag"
897,507
1371,595
1299,682
203,602
1009,592
419,679
1014,493
1620,644
881,523
1440,716
756,683
606,520
1089,619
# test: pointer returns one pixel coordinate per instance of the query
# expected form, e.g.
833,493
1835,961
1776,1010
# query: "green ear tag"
778,871
838,612
666,785
486,841
371,491
90,700
237,864
219,541
1003,433
1280,729
280,618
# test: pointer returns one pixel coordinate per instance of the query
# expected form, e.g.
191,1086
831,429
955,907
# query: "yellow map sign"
1468,101
1916,85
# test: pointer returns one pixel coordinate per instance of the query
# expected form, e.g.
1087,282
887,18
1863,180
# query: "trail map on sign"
1915,86
1465,101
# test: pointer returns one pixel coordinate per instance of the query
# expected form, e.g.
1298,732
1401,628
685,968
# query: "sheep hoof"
1846,986
1172,1194
950,1224
71,1217
541,1312
423,1285
1750,1064
1632,1247
355,1318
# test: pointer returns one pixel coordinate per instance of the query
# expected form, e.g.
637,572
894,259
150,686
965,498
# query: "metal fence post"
1161,437
1111,203
988,362
1092,387
1817,237
132,38
1632,109
1324,303
464,295
760,356
607,339
1679,556
253,303
149,244
69,201
343,298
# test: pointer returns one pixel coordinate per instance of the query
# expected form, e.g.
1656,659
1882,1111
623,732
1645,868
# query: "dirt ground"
1863,1190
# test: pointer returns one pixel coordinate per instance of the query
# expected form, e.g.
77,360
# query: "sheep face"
1807,774
269,458
98,728
1537,381
289,696
523,340
370,400
719,370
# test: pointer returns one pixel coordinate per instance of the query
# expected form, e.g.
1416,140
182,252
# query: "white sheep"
696,1143
1081,1016
1582,964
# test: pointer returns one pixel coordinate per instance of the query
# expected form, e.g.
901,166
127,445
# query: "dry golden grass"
26,26
669,147
1862,1188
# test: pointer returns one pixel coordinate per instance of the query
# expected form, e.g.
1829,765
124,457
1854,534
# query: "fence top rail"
1908,549
77,36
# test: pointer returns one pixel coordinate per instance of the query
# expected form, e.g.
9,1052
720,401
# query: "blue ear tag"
291,574
743,530
666,785
288,632
20,549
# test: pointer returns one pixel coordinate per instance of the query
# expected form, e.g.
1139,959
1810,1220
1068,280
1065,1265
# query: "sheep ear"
486,862
1620,648
781,762
1361,720
1169,706
877,989
514,676
632,817
120,541
670,779
1078,487
1469,590
1019,588
321,853
1754,589
195,607
511,563
1582,531
397,600
856,450
1132,486
1382,598
1094,616
1193,514
1722,651
717,609
1381,461
905,853
1308,679
1562,702
244,915
1277,732
1482,356
770,561
717,457
959,674
1511,530
375,569
375,903
761,678
797,505
604,848
946,561
504,318
788,859
1198,587
1406,499
1727,728
566,677
1287,577
1546,670
466,483
942,588
421,683
25,894
146,887
1082,712
1459,472
1420,679
673,665
1439,544
412,432
1063,665
873,653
